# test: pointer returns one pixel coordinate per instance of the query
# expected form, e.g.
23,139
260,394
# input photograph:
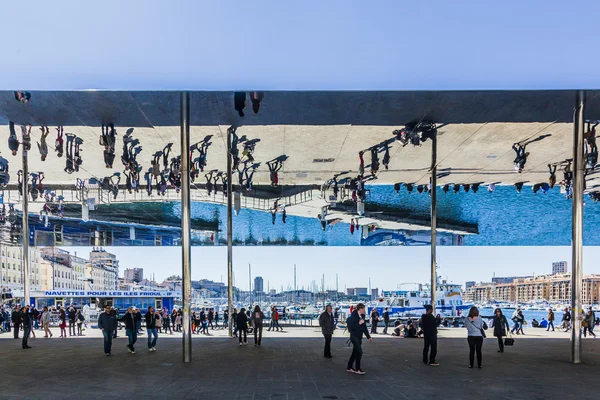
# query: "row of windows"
17,279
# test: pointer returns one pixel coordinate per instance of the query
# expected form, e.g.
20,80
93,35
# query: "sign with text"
107,293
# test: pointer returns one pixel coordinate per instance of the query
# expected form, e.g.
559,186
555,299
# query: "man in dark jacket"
26,321
71,313
327,326
386,320
357,327
107,323
242,325
15,318
151,317
429,326
131,319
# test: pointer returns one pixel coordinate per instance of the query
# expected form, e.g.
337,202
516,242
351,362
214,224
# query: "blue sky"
386,266
313,44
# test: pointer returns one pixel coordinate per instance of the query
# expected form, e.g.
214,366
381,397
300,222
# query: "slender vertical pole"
433,193
186,264
25,223
250,282
577,233
229,236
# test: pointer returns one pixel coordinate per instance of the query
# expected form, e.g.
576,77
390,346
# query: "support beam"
229,236
25,223
433,193
186,262
577,233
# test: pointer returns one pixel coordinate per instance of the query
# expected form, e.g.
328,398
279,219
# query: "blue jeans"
36,323
132,336
108,337
550,324
152,341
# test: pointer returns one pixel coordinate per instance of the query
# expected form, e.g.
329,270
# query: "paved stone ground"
292,367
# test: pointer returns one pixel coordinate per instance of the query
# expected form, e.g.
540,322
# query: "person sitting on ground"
543,323
411,331
535,323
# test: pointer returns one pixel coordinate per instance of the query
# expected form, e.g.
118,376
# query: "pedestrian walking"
357,327
166,321
429,326
475,334
107,323
115,314
327,327
131,319
45,320
588,323
499,323
550,319
151,318
272,320
62,317
257,324
566,320
27,325
374,321
242,325
79,318
386,320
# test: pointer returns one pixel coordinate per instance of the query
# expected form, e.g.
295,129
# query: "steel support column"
229,237
577,232
25,223
186,262
433,193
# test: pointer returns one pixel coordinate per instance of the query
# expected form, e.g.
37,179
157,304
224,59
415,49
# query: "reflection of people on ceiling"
13,140
274,168
69,168
521,157
59,144
361,166
42,144
374,160
256,98
239,100
22,96
591,149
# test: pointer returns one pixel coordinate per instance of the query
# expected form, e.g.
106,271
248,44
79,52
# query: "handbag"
482,329
509,341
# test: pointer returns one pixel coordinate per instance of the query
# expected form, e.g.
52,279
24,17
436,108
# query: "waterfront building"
560,267
258,284
134,274
100,256
11,268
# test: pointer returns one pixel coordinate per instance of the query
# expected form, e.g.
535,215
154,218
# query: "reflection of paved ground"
475,146
289,366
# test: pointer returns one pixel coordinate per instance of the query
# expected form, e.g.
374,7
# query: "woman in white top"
475,327
45,320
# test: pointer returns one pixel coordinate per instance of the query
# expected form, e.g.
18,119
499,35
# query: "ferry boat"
449,301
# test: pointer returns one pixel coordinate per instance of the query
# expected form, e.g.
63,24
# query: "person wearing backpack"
241,321
257,323
499,323
327,326
475,334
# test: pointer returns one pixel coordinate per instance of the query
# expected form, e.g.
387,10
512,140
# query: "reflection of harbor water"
503,217
528,314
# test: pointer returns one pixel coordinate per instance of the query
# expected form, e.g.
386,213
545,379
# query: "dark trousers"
475,343
243,331
500,343
26,333
108,337
72,328
356,352
327,344
386,323
429,341
257,333
16,330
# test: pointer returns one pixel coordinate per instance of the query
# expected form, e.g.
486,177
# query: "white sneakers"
152,349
